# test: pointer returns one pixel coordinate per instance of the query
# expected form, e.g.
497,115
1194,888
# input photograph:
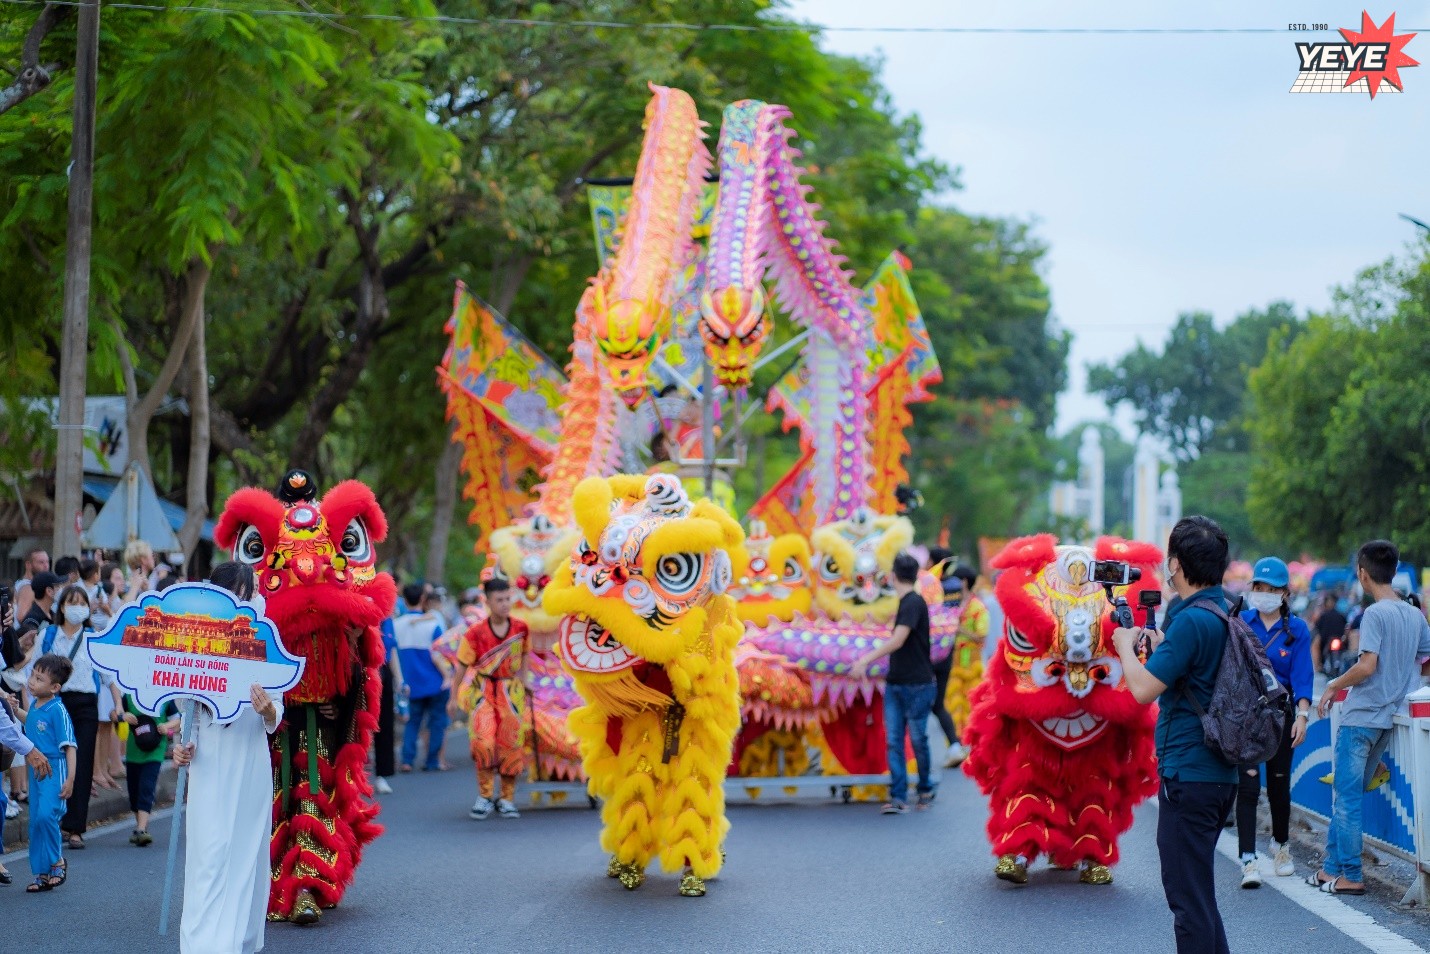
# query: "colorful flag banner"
503,394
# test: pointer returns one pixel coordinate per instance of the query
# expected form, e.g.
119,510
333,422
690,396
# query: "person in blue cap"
1287,639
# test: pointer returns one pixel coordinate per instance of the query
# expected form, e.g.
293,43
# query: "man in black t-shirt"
1331,624
909,687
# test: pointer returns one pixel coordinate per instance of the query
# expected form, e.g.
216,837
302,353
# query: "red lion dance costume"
1057,743
315,565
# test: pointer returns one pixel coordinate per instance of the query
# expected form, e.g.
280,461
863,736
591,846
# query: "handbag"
145,733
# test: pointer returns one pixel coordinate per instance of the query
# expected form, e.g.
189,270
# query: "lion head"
640,583
771,576
1056,654
527,555
853,565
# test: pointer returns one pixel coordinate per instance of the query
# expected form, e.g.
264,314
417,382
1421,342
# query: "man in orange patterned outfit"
494,653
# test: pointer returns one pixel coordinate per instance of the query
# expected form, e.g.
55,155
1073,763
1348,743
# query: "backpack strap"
1215,608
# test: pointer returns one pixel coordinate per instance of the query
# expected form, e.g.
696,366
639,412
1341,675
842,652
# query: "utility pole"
74,354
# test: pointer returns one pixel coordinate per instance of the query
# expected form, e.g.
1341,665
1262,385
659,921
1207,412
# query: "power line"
773,27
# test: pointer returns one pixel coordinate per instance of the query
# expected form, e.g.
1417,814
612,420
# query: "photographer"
1198,787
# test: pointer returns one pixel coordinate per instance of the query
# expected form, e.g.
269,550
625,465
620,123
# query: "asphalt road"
805,875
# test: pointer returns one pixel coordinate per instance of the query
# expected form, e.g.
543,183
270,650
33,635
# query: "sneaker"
894,808
12,809
1251,874
481,808
506,809
1285,867
381,786
134,837
956,756
143,839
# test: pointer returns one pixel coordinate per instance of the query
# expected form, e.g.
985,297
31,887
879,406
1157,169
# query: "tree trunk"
197,509
191,288
74,355
444,506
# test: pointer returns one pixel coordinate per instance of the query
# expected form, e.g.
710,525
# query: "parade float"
696,278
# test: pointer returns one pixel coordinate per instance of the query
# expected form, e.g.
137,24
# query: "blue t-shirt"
50,728
415,634
1292,664
1191,651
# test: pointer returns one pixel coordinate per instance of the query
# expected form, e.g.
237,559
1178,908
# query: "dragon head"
628,334
853,565
1056,654
313,560
734,326
771,576
527,554
638,585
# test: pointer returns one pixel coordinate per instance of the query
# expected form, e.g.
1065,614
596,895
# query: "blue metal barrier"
1388,812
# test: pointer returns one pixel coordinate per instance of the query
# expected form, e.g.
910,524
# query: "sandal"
75,843
41,883
58,879
1317,878
1333,887
6,879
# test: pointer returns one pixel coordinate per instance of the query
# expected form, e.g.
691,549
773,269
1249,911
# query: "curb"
1308,834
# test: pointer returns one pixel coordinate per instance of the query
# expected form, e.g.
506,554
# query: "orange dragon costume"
1057,742
649,636
315,564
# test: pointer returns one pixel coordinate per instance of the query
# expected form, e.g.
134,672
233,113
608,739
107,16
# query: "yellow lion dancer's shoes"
1095,874
631,877
1009,868
305,909
691,886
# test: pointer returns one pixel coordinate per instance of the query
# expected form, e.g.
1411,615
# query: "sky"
1167,173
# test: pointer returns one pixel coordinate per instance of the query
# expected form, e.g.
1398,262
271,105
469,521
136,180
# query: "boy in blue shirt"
48,726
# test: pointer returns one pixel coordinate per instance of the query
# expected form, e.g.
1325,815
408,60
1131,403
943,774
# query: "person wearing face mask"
1287,639
80,697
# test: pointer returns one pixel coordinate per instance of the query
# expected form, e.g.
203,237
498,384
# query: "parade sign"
194,641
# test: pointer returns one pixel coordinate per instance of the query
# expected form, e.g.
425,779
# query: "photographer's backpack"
1247,715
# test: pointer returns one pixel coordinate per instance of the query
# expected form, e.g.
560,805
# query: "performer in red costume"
1057,743
496,650
316,568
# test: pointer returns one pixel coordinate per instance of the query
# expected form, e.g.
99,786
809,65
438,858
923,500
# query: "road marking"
109,829
1354,924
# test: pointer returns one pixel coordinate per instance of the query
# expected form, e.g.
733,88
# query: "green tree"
1338,420
981,454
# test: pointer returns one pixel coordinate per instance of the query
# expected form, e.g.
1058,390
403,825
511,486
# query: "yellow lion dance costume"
649,638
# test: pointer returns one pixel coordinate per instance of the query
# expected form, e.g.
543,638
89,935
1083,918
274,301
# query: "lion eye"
249,549
1018,641
829,569
355,543
680,573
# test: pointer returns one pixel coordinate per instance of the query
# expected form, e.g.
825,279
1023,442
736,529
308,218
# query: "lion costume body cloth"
316,566
649,638
1057,742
